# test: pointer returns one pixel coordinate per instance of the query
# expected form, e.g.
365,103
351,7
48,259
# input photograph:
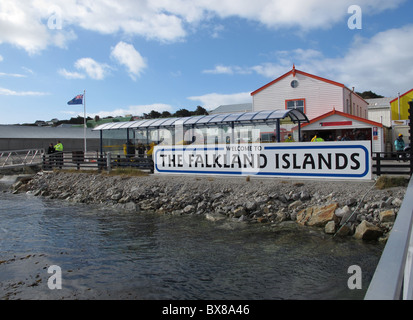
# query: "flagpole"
84,121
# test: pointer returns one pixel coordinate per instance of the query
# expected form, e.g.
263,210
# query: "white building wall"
379,115
320,96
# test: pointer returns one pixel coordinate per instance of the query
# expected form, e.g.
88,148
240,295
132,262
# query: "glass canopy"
295,115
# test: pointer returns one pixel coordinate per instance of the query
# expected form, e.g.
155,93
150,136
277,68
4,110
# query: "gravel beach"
335,205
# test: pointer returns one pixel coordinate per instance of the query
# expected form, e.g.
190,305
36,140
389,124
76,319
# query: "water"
104,254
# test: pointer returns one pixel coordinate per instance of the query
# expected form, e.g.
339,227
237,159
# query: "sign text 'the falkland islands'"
337,160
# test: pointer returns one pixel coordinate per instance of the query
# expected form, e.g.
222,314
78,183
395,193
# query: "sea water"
102,253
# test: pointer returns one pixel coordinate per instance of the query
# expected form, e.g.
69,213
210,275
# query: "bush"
384,182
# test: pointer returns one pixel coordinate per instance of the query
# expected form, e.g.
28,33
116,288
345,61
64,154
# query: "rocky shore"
341,208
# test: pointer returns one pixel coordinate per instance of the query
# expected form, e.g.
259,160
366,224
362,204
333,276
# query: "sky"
134,56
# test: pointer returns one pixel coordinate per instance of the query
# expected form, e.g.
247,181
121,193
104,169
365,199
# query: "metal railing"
393,278
20,158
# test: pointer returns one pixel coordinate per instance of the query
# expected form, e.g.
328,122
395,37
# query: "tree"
166,114
200,111
182,113
369,95
154,114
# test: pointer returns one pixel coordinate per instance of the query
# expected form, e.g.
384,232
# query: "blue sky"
135,56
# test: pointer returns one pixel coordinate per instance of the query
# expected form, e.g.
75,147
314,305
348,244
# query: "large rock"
387,216
367,231
322,215
330,227
317,216
304,216
214,217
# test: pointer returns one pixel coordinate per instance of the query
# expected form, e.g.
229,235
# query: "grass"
384,182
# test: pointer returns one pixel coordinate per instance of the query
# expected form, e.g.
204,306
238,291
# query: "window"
295,104
294,84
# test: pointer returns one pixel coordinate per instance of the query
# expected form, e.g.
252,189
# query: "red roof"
343,114
401,96
294,71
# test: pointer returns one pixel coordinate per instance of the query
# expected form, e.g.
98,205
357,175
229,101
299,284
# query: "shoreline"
340,207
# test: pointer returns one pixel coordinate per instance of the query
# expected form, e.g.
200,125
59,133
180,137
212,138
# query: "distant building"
33,137
232,108
379,110
40,123
400,106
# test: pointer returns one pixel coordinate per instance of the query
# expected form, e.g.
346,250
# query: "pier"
393,278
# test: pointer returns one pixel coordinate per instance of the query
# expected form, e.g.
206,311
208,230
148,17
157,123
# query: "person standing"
317,138
50,156
59,154
399,146
289,138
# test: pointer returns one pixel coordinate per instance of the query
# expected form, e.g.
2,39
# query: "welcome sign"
338,160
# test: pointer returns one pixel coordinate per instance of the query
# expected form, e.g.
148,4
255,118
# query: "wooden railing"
77,159
392,163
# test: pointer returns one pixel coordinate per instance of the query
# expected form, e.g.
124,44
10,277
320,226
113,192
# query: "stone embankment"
344,208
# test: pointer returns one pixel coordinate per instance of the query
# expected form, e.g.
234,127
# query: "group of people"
55,155
129,149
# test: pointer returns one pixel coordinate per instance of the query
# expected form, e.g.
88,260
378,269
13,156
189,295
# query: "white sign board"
336,160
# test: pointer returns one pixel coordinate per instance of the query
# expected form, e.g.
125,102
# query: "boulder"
387,216
304,216
238,212
330,227
189,208
214,217
281,216
340,212
295,205
305,196
367,231
322,215
131,206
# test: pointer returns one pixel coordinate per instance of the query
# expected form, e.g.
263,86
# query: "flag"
77,100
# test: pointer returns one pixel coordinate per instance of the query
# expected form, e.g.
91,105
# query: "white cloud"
381,63
88,66
29,24
128,56
8,92
220,69
213,100
14,75
134,110
71,75
93,69
24,24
